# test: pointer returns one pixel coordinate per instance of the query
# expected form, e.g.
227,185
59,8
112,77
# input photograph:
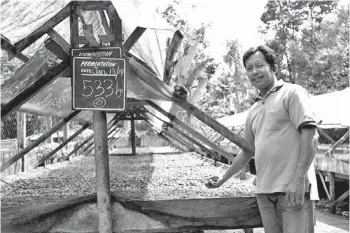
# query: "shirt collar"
275,87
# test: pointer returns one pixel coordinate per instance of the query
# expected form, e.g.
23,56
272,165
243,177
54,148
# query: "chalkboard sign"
98,79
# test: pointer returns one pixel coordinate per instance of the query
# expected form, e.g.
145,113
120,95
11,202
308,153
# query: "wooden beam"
339,142
104,21
153,81
133,38
173,138
78,147
115,26
189,129
133,136
45,157
170,54
42,138
340,199
189,142
12,50
324,134
331,185
94,5
59,40
158,215
49,25
34,88
324,184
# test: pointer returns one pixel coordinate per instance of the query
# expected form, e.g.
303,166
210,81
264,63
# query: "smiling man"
282,127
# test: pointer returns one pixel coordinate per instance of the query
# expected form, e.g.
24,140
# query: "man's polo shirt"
273,126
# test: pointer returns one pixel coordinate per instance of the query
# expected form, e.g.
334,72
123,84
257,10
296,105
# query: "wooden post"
331,185
48,127
133,134
66,133
103,191
21,135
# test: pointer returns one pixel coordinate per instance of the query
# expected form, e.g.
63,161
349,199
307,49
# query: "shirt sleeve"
300,109
248,132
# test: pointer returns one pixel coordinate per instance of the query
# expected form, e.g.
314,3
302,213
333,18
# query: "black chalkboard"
98,79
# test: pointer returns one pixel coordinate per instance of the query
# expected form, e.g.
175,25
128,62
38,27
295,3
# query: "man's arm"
306,154
296,187
238,164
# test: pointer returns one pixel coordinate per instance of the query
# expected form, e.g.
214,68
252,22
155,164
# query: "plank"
135,215
43,159
170,54
133,38
331,185
189,129
104,22
324,184
7,46
340,199
94,5
49,25
34,88
133,135
42,138
186,136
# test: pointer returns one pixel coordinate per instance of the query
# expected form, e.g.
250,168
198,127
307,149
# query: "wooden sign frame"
99,62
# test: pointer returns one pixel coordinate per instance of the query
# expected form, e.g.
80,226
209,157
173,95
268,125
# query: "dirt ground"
325,223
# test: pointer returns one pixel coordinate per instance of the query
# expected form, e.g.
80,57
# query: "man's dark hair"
266,51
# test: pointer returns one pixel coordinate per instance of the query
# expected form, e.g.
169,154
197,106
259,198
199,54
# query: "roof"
19,19
332,109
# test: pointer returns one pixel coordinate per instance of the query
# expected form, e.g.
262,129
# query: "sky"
230,20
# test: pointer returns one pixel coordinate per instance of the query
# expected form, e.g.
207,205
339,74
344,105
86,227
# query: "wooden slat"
115,26
59,40
138,216
324,134
133,38
170,54
104,22
34,88
190,139
42,138
49,25
324,184
340,199
331,185
7,46
94,5
189,129
43,159
173,137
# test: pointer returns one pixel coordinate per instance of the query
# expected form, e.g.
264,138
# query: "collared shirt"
273,127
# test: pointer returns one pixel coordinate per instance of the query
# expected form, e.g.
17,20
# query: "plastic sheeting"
332,109
55,99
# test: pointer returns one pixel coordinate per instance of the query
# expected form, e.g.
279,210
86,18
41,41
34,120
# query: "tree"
286,21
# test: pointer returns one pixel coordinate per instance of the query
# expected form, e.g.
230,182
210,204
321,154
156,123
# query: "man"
281,126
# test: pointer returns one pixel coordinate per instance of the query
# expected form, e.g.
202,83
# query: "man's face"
259,72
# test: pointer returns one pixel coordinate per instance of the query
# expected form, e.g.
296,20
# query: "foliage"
310,38
230,92
45,148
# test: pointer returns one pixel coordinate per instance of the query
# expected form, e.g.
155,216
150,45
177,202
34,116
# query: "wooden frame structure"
246,218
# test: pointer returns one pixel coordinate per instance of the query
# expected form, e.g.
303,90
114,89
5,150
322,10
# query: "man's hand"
295,192
214,182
